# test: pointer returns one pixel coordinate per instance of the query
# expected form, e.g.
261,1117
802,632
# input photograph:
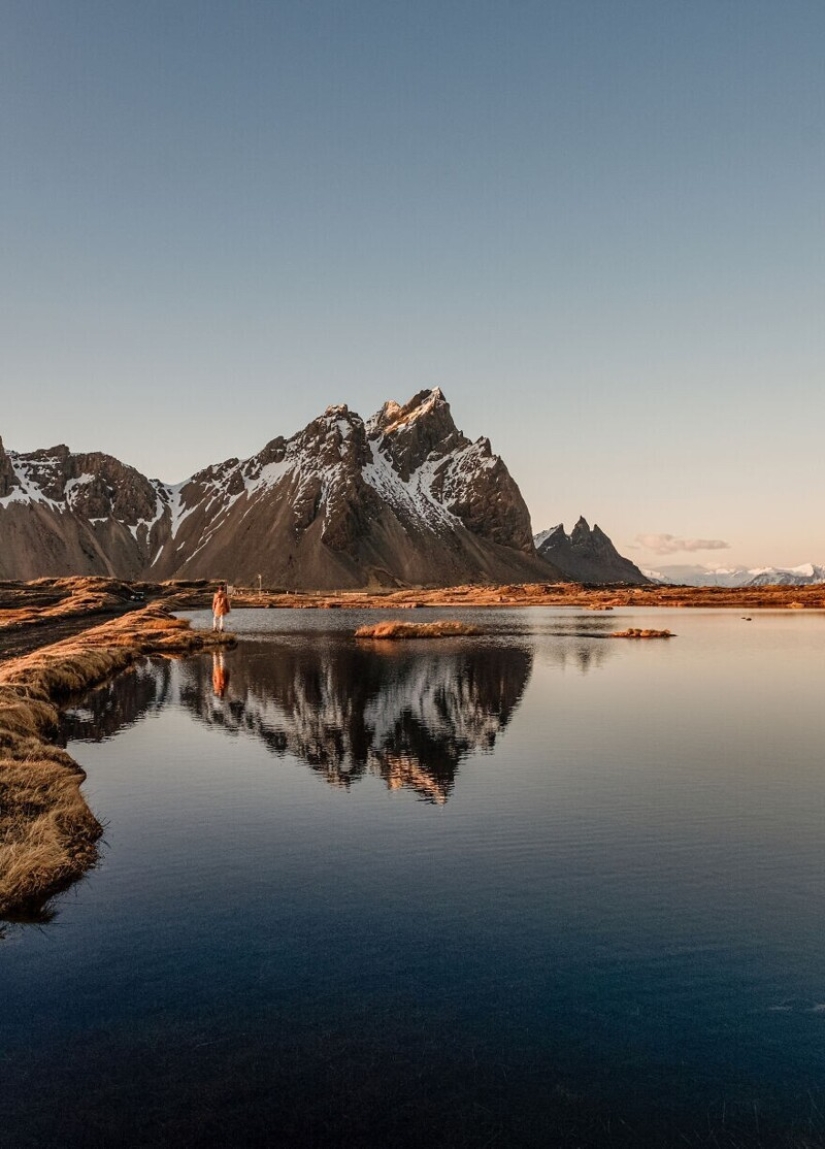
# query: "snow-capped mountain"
403,497
691,575
586,555
804,575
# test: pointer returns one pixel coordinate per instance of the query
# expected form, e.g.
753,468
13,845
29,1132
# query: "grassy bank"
48,835
51,601
45,601
530,594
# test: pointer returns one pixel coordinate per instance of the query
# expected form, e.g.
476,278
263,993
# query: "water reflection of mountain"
348,710
409,716
579,653
119,703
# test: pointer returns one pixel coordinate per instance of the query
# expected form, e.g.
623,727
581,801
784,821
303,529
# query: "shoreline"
46,605
534,594
48,834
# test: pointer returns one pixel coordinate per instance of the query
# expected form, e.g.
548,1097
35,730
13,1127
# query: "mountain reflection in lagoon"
409,713
590,914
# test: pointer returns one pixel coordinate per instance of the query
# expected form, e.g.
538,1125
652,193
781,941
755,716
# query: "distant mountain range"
692,575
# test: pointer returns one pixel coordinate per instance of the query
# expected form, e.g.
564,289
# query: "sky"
597,225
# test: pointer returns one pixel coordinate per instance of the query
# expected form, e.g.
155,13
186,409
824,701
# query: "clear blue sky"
598,225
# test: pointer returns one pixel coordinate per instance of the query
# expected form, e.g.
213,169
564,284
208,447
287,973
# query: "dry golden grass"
72,598
530,594
416,630
636,632
47,832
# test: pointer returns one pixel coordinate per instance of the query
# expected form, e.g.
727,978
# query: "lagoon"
537,887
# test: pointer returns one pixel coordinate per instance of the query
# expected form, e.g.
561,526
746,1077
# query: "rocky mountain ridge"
401,498
586,555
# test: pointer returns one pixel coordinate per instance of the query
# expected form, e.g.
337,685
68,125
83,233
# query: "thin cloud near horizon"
664,544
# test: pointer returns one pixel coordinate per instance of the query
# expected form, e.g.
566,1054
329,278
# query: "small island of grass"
392,629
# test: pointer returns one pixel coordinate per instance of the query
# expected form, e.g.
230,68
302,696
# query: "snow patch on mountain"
29,476
543,536
413,496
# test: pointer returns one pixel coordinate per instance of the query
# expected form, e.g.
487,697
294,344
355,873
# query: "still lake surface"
540,887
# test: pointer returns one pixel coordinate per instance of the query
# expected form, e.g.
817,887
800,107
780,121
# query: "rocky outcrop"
401,499
85,514
8,475
587,555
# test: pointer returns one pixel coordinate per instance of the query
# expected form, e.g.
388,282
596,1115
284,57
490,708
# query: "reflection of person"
220,607
220,675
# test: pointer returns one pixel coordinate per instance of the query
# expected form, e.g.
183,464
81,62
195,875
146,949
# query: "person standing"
220,607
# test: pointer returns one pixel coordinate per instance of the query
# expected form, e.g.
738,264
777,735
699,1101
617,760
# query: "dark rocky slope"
587,555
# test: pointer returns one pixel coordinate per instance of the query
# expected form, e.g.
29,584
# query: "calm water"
536,888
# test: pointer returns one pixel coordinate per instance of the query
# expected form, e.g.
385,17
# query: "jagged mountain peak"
581,531
586,554
337,411
411,433
395,416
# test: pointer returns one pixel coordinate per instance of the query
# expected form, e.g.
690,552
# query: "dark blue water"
542,887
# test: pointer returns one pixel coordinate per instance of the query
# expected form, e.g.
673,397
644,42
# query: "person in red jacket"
220,607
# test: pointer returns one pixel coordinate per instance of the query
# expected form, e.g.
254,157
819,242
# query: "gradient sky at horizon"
597,226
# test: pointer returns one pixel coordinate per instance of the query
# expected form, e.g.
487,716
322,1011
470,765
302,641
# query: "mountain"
66,514
401,498
804,575
586,555
692,575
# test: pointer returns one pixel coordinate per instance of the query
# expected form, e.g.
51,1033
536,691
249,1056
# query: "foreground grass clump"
32,605
416,630
637,632
48,834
